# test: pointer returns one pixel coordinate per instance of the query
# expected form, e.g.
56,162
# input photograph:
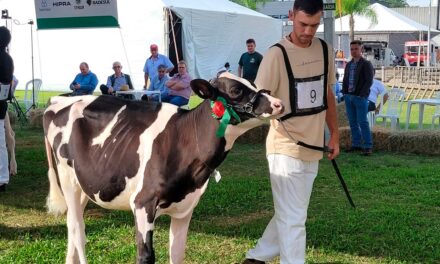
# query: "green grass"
397,219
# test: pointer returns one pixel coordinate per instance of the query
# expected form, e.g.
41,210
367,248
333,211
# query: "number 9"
312,96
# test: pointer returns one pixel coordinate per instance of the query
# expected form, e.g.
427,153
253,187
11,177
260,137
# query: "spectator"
376,89
158,84
153,62
84,82
294,167
6,81
179,86
249,62
358,78
337,90
117,81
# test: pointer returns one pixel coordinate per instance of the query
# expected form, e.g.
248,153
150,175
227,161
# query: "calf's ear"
203,88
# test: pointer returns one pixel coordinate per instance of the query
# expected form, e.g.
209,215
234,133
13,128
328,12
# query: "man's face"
304,26
356,51
161,73
181,69
251,47
84,69
117,68
153,52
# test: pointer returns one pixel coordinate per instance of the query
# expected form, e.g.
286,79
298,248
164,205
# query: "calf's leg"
178,235
76,201
144,235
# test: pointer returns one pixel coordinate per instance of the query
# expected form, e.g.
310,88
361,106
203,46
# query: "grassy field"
397,219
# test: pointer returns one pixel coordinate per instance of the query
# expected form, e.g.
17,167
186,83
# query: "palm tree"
355,7
252,4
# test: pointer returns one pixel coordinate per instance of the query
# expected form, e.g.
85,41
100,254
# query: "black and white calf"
149,158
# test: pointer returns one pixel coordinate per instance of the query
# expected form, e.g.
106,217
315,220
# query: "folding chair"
27,99
437,111
393,108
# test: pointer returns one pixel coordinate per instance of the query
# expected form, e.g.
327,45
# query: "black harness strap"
291,77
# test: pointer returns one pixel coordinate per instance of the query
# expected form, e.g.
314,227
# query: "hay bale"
12,118
342,115
36,118
417,142
256,135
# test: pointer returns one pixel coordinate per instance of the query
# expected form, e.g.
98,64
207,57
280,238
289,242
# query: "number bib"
5,92
310,93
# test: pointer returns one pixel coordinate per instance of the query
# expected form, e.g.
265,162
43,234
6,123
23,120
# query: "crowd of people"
175,90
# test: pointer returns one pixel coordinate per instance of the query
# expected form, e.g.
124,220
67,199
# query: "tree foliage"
391,3
355,7
252,4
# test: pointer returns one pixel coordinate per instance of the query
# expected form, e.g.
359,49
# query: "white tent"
388,21
208,34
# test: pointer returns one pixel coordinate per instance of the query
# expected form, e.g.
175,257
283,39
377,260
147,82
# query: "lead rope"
324,149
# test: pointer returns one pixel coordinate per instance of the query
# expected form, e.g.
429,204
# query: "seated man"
84,82
116,81
158,84
376,89
179,86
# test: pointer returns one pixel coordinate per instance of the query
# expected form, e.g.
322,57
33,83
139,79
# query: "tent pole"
174,35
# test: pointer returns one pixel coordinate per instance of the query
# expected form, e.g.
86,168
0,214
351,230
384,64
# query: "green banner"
77,22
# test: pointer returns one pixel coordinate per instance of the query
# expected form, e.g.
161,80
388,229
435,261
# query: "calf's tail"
55,203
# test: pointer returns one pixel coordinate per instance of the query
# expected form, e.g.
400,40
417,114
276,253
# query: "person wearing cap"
116,81
153,62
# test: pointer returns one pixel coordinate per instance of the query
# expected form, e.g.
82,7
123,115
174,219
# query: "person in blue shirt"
84,82
158,83
117,81
153,62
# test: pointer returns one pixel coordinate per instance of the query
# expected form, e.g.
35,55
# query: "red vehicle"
412,52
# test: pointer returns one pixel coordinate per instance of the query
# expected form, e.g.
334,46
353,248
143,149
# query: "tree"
355,7
252,4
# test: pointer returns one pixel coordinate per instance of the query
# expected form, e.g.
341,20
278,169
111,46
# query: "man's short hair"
161,67
309,7
182,62
5,37
356,42
251,40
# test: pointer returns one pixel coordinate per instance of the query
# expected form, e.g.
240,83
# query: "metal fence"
416,82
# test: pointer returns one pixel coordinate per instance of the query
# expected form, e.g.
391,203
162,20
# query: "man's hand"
110,90
333,144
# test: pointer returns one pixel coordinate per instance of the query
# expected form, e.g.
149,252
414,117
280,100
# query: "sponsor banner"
54,14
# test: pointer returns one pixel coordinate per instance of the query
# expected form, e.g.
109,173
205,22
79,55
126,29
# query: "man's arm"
332,123
145,80
239,71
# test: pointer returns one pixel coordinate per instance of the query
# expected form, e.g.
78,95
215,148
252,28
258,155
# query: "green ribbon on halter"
224,120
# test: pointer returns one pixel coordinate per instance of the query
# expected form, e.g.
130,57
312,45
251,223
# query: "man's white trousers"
285,236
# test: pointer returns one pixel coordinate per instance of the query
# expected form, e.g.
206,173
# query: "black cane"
344,186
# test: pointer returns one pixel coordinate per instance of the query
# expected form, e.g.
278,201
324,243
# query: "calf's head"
239,95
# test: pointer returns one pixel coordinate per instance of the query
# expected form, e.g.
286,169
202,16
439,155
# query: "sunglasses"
114,67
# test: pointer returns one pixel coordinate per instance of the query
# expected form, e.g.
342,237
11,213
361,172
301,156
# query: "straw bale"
342,115
12,117
36,117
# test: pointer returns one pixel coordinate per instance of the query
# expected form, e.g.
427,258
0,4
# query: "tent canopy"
212,33
388,21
